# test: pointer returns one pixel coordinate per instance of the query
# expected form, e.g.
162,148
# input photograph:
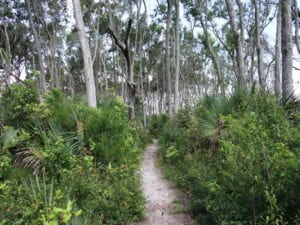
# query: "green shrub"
19,105
35,201
84,161
61,110
239,159
107,132
252,157
156,124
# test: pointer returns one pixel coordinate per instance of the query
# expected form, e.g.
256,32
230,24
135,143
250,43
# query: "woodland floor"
164,204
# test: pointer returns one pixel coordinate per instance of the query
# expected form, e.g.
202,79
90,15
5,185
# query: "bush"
19,105
252,157
156,124
67,163
238,157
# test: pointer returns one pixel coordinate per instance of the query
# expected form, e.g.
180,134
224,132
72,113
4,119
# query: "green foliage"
65,163
18,105
254,158
61,109
156,124
3,55
232,39
108,132
41,202
9,138
239,157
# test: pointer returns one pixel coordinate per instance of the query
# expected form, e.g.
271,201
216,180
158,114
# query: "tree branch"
116,39
128,29
296,68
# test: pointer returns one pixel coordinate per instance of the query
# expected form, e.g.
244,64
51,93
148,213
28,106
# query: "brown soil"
163,203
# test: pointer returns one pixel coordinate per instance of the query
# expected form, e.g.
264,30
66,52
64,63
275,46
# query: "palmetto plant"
8,138
48,206
23,157
30,158
292,108
208,113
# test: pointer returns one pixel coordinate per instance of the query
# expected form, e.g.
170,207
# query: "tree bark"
296,17
87,57
177,63
241,81
125,48
278,57
38,46
167,59
286,49
7,63
213,55
258,44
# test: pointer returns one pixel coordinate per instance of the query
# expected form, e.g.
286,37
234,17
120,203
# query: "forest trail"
163,204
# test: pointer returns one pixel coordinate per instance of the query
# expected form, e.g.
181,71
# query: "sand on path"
162,200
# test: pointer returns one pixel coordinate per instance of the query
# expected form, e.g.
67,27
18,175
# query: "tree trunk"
278,57
125,48
239,45
177,64
104,75
87,57
168,73
7,65
38,46
286,49
296,17
213,56
258,45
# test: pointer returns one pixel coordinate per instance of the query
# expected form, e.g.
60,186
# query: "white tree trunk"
258,44
87,57
168,72
239,45
177,63
286,49
278,58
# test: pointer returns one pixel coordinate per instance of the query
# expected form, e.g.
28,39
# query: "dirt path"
162,203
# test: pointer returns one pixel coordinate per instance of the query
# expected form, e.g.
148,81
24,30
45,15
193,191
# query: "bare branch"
116,39
296,68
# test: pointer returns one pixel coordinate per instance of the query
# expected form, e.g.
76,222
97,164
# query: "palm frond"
292,107
39,191
30,158
7,138
3,55
208,126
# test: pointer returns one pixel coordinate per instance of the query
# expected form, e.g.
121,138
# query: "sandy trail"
162,200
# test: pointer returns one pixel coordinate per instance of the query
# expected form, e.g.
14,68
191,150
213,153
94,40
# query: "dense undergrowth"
64,163
238,157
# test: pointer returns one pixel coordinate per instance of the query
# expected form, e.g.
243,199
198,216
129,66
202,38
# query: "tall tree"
286,49
296,20
258,44
38,46
278,58
7,57
125,48
211,50
177,64
87,56
236,36
167,59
